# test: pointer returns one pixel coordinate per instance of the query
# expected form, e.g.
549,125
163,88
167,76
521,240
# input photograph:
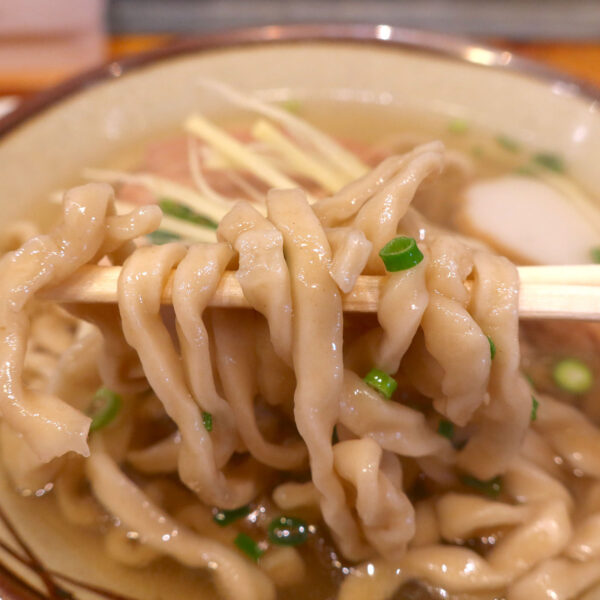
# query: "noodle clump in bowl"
294,445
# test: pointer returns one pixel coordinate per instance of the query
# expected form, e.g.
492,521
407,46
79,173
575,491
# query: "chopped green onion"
293,105
549,161
573,375
226,517
458,126
525,171
400,254
534,408
109,405
507,143
491,488
160,236
208,421
334,436
492,347
180,211
288,531
381,382
477,151
248,546
446,428
595,254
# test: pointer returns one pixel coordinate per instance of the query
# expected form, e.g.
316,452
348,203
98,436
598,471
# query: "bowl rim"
461,49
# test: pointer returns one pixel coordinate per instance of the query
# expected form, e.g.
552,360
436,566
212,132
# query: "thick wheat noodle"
262,272
236,577
235,346
282,382
275,378
139,303
74,499
393,426
118,364
573,436
160,457
540,529
349,200
446,320
350,252
319,373
380,215
403,301
50,426
121,548
194,283
386,514
491,450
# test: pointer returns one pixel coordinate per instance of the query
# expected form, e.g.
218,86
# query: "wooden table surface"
576,58
581,59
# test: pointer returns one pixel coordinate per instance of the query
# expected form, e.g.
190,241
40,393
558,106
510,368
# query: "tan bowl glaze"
46,143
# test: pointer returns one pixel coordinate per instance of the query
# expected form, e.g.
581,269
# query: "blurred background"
44,41
518,19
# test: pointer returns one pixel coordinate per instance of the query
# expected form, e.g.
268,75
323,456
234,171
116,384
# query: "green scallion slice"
446,428
400,254
105,407
226,517
180,211
248,546
458,126
477,151
573,375
208,421
292,105
381,382
492,347
288,531
491,488
595,254
160,236
534,408
549,161
507,143
525,171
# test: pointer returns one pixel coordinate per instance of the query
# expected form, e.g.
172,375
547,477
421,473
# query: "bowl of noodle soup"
294,446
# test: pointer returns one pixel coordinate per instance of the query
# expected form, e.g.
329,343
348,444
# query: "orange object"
43,42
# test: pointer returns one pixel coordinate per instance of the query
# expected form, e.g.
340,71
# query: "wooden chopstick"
546,292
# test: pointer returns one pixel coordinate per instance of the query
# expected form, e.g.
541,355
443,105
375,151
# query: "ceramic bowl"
45,144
